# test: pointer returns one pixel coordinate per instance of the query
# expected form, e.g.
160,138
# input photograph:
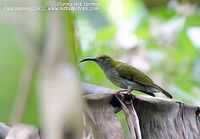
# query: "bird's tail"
163,91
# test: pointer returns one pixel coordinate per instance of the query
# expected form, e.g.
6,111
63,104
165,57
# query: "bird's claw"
125,92
120,91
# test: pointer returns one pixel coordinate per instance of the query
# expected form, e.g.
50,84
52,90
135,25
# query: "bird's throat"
105,66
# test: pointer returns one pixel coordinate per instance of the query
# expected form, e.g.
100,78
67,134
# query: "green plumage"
132,74
126,76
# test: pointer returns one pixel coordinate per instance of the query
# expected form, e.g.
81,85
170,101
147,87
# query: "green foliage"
162,12
12,60
172,64
106,34
31,114
193,20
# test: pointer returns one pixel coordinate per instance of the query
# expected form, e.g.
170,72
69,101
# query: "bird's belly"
134,85
115,79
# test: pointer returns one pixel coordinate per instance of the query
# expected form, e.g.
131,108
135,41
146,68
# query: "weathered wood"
131,115
100,114
159,118
147,117
22,131
4,130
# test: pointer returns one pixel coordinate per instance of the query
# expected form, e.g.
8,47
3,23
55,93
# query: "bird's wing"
130,73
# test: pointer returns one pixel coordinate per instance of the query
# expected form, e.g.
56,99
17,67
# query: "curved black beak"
88,59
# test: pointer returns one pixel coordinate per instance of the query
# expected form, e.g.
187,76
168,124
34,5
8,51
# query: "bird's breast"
113,76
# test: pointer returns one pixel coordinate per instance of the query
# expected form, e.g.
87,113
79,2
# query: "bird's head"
103,61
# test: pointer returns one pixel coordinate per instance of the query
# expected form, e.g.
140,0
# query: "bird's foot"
120,91
124,91
128,93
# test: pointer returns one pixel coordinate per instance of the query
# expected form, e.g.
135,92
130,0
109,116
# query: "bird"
126,76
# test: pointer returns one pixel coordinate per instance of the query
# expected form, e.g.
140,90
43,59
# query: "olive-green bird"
126,76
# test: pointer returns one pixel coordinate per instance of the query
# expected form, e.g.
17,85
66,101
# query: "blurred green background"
161,39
